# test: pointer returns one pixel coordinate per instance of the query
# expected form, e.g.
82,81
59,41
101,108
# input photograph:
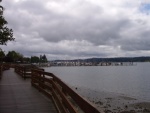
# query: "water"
133,81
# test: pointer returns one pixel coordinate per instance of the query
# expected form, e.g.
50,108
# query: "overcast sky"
70,29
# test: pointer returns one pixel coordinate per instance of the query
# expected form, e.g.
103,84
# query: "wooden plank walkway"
18,96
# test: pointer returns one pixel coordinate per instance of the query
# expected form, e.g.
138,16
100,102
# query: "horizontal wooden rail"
25,70
66,99
3,67
0,71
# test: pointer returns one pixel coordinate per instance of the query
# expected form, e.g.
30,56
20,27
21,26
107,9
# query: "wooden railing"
3,67
1,70
24,70
66,100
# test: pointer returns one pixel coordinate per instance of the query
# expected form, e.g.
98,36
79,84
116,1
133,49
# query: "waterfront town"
83,63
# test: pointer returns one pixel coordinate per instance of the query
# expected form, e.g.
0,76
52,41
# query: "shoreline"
108,102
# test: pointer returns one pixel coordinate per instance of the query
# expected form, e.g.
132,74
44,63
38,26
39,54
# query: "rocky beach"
109,102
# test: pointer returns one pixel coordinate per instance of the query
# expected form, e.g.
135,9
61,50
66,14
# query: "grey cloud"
136,45
137,38
54,27
22,15
78,20
98,32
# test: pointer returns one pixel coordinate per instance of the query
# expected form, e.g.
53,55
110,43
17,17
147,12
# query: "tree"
14,56
43,58
35,59
2,55
6,34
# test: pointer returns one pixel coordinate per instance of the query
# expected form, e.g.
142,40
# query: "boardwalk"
18,96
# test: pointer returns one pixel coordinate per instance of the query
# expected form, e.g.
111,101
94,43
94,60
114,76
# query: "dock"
32,90
18,96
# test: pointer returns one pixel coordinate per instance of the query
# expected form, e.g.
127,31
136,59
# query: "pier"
40,92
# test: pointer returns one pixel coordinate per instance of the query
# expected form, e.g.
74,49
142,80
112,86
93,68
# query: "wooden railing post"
65,98
3,67
24,72
0,71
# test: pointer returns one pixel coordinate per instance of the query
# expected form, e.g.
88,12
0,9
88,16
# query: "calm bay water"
131,81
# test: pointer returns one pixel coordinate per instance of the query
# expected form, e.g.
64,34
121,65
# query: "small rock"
146,110
126,106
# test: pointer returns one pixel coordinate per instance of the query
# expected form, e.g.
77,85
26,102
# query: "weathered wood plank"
18,96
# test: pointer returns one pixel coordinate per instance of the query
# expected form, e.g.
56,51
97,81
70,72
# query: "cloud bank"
70,29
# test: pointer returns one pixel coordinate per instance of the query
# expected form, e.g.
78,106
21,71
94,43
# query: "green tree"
35,59
6,34
2,55
43,58
19,57
14,56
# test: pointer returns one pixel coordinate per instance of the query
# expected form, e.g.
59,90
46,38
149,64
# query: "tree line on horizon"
117,59
16,57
